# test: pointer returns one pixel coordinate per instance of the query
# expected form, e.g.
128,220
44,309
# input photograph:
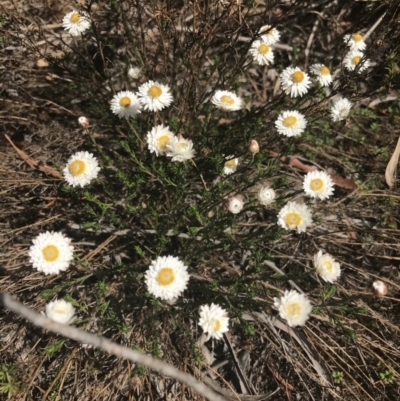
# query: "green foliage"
54,347
9,385
337,376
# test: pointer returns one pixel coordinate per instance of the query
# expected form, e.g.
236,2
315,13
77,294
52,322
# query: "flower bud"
266,196
83,121
134,72
379,288
235,204
253,147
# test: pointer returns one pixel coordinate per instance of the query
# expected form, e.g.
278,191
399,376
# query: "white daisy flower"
355,41
51,252
235,204
180,149
158,139
230,165
125,104
135,72
76,22
318,184
354,59
60,311
323,74
295,82
291,123
269,35
82,167
326,267
227,101
154,96
266,196
214,320
294,307
295,216
167,277
340,109
261,52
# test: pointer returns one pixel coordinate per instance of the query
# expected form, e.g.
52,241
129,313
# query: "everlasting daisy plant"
326,267
154,96
295,82
295,216
269,35
214,320
291,123
322,73
158,139
294,307
60,311
318,184
167,277
227,101
354,59
180,149
82,167
266,196
262,53
125,104
355,41
235,204
51,252
230,165
340,109
76,22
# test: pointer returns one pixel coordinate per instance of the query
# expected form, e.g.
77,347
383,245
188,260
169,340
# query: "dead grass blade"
391,168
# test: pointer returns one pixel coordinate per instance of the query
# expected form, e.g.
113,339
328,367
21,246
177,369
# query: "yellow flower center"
75,18
298,76
125,101
290,121
230,163
163,141
166,276
293,309
316,184
269,31
182,145
324,70
227,100
263,48
60,309
154,91
357,37
77,167
293,219
50,253
355,60
328,265
217,325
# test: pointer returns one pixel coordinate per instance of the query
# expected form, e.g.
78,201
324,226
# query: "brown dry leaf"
391,168
33,163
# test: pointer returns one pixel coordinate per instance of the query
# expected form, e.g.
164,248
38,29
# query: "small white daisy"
355,41
125,104
323,74
82,167
180,149
326,267
340,109
230,165
60,311
261,52
134,72
295,216
269,35
227,101
295,82
354,59
167,277
76,22
214,320
294,307
154,96
158,139
51,252
318,184
254,147
235,204
291,123
266,196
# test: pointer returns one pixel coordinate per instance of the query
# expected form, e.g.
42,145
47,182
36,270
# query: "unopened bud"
379,288
83,121
253,147
134,72
235,204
